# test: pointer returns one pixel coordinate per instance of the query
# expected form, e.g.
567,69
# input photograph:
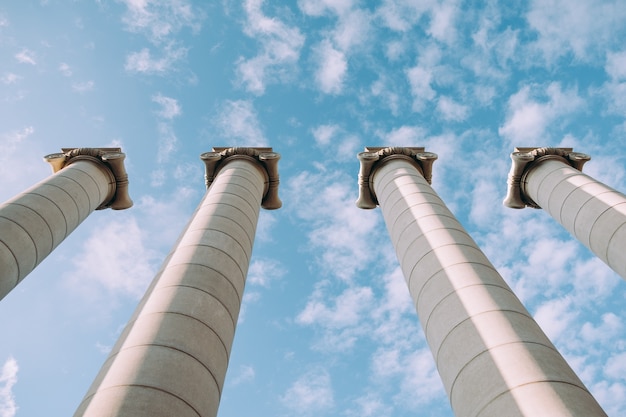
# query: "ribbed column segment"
172,357
492,356
36,221
591,211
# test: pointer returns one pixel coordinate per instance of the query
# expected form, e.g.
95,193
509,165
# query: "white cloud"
280,49
83,86
143,62
10,78
26,56
529,119
114,258
8,379
450,110
310,394
320,7
169,106
583,28
324,133
420,79
615,65
263,271
238,120
555,316
244,374
167,141
442,24
158,20
353,29
65,69
332,67
405,136
347,308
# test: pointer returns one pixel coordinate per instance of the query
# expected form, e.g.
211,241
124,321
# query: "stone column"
551,178
492,356
172,357
36,221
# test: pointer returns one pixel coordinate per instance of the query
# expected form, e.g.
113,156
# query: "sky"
327,327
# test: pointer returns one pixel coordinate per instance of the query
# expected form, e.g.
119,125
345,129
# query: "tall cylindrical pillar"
492,356
36,221
172,357
551,178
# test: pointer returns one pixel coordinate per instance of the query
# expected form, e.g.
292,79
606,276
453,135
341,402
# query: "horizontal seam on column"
83,188
243,177
208,293
232,184
403,197
17,264
218,249
422,217
455,291
219,390
549,209
70,197
41,217
609,243
416,175
216,193
60,211
606,254
543,179
581,209
412,206
89,398
246,178
37,260
419,295
77,167
553,188
250,241
229,205
563,205
424,234
531,383
218,231
391,171
442,268
479,314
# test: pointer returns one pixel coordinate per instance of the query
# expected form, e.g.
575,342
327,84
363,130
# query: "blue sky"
327,327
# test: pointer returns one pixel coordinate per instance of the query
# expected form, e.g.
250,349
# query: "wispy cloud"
26,56
280,47
8,379
65,69
332,67
170,108
83,86
533,110
310,394
10,78
238,120
143,61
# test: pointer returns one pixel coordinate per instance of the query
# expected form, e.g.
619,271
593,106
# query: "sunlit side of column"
592,212
36,221
493,358
171,359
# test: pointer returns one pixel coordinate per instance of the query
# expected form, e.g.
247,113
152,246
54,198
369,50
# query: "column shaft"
591,211
172,357
33,223
492,356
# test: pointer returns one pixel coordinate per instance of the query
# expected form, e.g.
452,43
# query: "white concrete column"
551,178
36,221
492,356
172,357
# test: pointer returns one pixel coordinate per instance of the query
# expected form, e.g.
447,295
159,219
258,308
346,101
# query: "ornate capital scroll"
110,158
524,159
264,158
374,157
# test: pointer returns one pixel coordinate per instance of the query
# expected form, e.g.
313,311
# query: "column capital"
374,157
111,158
523,159
265,158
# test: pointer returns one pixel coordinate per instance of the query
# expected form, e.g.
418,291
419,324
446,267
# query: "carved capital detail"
524,159
373,157
265,158
111,159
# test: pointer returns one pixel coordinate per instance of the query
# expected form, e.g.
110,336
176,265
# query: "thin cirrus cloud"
8,379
